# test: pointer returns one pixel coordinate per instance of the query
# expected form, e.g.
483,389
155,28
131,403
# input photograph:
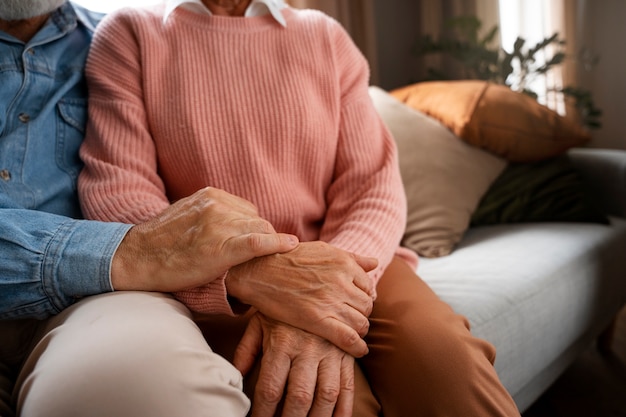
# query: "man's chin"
11,10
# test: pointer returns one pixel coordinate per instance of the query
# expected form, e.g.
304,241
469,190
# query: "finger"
252,245
242,224
363,281
365,262
270,384
353,318
249,346
233,202
343,336
345,401
328,388
301,388
359,300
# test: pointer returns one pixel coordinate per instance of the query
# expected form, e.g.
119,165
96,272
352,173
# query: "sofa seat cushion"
534,290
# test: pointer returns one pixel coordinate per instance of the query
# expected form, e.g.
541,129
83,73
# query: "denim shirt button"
31,51
5,174
24,118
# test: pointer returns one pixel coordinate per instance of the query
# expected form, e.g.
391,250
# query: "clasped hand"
313,300
314,287
314,377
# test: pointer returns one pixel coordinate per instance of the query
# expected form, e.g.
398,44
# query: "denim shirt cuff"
77,260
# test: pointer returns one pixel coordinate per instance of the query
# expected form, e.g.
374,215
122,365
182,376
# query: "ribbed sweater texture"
279,116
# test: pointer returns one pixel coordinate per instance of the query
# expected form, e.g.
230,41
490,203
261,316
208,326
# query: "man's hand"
315,287
317,376
194,241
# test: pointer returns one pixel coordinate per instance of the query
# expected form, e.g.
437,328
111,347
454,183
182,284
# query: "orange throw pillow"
495,118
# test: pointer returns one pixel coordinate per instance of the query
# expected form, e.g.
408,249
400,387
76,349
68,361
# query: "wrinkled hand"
194,241
315,287
317,376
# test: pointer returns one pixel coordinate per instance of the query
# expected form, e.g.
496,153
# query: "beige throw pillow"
444,177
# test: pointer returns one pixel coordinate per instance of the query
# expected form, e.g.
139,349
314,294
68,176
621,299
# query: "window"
534,20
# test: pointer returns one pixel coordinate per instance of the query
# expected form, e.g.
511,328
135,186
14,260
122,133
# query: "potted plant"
482,58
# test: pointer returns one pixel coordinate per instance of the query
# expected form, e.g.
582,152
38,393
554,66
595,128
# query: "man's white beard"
25,9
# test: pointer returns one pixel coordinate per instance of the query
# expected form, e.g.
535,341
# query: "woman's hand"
316,287
314,377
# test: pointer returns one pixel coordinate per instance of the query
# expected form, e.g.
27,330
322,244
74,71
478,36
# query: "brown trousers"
423,361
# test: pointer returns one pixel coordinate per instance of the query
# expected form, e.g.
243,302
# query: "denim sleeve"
48,262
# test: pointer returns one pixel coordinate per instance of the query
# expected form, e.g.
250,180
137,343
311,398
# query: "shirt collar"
256,8
87,17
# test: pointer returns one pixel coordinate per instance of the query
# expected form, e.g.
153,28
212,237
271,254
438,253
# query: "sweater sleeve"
366,201
120,181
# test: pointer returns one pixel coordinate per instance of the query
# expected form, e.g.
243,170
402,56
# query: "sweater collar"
256,8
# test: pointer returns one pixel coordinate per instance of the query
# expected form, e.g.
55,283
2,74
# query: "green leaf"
490,36
557,59
518,45
479,60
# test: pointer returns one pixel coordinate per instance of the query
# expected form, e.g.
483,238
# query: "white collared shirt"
256,8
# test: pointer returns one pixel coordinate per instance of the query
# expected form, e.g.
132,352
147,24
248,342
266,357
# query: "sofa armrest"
604,170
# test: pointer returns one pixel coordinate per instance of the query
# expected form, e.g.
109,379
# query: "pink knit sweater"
279,116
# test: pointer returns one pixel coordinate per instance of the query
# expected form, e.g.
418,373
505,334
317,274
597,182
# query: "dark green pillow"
547,191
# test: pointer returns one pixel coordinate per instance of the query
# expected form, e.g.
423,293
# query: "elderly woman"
270,103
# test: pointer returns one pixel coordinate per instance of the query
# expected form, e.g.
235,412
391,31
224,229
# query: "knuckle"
365,327
300,397
350,338
253,224
316,313
263,226
369,306
319,244
344,259
328,394
208,194
347,384
254,242
269,394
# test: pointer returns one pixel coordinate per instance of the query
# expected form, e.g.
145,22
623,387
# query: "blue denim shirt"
48,257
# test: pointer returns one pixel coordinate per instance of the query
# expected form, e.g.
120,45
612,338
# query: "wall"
606,36
399,23
397,28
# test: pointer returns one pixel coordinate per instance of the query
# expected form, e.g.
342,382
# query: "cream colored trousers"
123,354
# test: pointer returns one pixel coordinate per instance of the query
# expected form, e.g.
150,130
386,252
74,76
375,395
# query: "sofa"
541,290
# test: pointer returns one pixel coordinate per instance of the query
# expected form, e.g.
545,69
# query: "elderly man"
87,326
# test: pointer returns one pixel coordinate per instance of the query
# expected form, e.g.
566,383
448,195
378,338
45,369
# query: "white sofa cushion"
534,290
